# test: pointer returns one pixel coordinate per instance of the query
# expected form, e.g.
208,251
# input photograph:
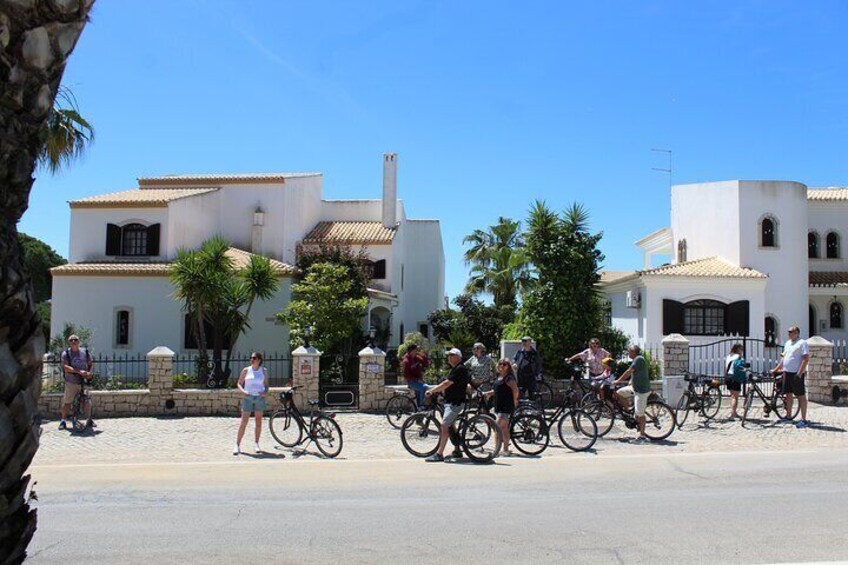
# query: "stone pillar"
372,376
675,355
819,369
305,366
160,379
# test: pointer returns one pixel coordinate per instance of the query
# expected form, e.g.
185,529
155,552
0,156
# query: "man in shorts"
77,363
639,389
796,355
455,387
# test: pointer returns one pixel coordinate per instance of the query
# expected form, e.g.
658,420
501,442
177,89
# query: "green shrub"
183,380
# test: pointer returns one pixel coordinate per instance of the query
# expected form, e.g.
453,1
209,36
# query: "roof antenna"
669,169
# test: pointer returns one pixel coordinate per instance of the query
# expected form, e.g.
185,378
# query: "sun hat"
454,351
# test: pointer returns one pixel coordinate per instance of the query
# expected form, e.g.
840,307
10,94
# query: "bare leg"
504,425
641,420
789,401
258,427
63,411
444,434
734,402
245,416
87,409
802,402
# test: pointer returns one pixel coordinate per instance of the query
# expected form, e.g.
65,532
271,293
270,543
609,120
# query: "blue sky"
490,105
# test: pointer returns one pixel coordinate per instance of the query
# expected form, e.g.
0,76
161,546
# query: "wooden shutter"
672,317
113,239
380,269
153,240
736,318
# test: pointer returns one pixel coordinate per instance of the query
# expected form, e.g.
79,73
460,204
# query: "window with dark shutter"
835,316
672,317
134,240
122,328
380,269
153,240
813,245
832,245
771,331
737,314
113,239
768,233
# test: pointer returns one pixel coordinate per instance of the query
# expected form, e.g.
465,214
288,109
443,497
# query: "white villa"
122,245
749,258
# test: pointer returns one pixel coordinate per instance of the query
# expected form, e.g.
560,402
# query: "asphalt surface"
634,507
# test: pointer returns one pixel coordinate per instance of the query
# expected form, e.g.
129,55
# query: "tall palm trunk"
36,39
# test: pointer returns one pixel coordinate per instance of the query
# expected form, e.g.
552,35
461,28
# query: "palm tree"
36,39
66,132
499,264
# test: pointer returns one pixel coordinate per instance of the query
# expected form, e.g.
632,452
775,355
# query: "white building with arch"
122,245
748,258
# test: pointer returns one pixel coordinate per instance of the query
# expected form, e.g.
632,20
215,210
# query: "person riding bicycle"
77,365
639,388
734,376
593,356
480,365
528,367
455,387
603,382
414,363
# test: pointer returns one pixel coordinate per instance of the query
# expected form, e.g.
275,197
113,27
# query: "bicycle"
659,417
79,422
477,434
530,427
707,402
776,402
401,406
289,428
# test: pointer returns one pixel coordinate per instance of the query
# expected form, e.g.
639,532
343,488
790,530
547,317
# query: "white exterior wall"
421,255
824,217
302,212
707,216
356,211
191,222
156,317
628,320
786,293
88,229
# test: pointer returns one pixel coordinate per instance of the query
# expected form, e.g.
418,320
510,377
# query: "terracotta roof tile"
828,279
709,267
832,193
350,233
148,198
159,269
608,277
172,180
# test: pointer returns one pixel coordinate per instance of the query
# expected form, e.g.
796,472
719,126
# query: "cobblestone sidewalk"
369,436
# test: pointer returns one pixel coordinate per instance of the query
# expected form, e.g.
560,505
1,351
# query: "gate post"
675,362
305,368
160,378
372,377
819,369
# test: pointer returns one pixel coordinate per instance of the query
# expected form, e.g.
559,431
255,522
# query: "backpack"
67,353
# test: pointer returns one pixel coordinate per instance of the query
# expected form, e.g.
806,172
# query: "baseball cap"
526,338
454,351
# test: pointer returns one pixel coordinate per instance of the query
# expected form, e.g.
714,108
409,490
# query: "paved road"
624,507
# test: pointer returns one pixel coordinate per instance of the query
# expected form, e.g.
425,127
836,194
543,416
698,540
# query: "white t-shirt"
793,354
254,381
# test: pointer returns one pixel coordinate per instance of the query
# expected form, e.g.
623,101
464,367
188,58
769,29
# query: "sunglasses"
73,341
254,357
503,364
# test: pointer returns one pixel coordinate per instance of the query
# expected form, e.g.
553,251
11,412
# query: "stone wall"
373,393
819,369
675,355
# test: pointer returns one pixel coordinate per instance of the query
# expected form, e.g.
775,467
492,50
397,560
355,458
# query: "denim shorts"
253,404
452,412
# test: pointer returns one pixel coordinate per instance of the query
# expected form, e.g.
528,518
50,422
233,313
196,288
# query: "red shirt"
414,366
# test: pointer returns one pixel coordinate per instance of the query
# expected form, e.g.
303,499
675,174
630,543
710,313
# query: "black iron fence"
338,380
840,357
188,372
111,372
711,358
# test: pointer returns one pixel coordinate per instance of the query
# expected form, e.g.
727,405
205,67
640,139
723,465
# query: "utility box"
673,387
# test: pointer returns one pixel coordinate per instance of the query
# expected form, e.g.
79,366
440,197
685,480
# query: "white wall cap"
674,338
376,351
306,351
819,341
160,351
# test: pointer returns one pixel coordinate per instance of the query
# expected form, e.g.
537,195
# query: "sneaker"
801,424
457,454
435,458
784,420
63,425
641,440
236,449
258,449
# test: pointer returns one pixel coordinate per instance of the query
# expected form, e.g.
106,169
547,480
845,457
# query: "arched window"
681,251
835,316
122,328
771,331
768,232
813,245
832,243
813,319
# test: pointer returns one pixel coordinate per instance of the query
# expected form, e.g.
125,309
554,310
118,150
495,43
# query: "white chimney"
258,223
389,190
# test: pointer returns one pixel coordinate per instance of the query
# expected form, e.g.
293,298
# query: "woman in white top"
253,383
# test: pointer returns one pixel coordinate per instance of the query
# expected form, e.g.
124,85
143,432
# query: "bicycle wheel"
587,398
327,435
528,432
682,411
285,428
577,430
749,401
419,434
545,395
398,409
603,415
710,403
481,438
778,400
659,420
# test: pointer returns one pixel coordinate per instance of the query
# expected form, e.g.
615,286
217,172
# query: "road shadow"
824,428
465,461
264,455
663,442
88,432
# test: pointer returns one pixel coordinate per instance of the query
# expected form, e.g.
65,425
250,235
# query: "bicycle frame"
289,405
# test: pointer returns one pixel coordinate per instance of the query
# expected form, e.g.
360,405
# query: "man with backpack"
528,367
77,364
